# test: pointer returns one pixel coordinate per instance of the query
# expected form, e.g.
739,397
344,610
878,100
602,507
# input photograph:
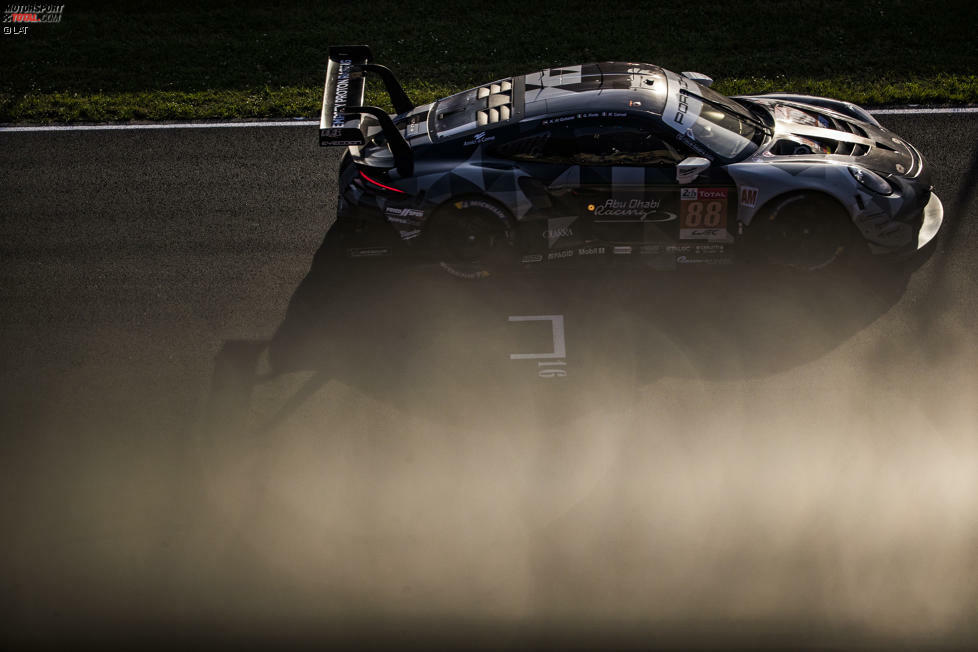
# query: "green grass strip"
46,108
144,60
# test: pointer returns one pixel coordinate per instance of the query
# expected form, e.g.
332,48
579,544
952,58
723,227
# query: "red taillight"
379,184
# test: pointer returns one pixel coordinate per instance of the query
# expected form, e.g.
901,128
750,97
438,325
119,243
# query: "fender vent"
844,125
851,149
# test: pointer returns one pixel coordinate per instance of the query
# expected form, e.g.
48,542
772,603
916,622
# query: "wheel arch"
799,194
759,184
473,199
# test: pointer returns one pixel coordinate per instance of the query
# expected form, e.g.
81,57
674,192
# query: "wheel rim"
804,237
471,237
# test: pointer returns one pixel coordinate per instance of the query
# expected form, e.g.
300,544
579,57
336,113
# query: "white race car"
618,161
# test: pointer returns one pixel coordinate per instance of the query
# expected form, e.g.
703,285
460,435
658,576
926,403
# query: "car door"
608,184
604,181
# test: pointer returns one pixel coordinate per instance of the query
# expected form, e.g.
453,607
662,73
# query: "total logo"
711,193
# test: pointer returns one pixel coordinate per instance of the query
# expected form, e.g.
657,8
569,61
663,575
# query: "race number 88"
704,214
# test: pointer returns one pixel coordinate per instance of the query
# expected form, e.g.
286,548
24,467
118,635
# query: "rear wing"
342,121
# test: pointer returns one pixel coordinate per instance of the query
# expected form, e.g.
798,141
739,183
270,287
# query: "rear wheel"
803,232
471,238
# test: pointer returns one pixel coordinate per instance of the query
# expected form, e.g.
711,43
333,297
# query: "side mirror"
698,77
690,168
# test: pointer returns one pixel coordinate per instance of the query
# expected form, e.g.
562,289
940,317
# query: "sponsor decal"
557,255
552,364
688,193
557,228
341,92
559,232
651,250
333,135
689,260
622,251
408,235
466,275
681,111
532,258
711,193
591,251
709,249
403,212
682,107
719,235
401,220
691,143
748,197
368,252
478,203
489,206
638,209
479,138
704,218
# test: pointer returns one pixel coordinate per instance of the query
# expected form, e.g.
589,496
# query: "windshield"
709,123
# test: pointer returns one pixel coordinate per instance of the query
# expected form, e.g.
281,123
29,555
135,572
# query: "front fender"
845,108
760,183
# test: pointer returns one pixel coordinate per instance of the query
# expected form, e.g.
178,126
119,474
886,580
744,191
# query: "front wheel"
802,232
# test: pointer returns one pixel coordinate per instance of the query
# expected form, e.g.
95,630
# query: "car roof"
610,86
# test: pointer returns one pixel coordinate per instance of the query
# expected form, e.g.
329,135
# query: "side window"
623,144
536,147
592,143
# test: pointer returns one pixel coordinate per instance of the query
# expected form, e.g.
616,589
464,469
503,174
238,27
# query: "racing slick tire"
806,232
471,238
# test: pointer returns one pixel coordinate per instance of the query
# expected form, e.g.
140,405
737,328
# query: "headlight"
871,180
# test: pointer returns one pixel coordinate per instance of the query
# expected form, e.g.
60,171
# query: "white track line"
170,125
913,111
298,122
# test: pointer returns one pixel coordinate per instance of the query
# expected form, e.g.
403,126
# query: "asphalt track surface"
213,436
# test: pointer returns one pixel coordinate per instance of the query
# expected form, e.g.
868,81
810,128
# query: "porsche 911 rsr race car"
617,161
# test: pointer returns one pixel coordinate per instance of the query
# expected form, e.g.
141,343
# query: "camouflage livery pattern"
490,144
